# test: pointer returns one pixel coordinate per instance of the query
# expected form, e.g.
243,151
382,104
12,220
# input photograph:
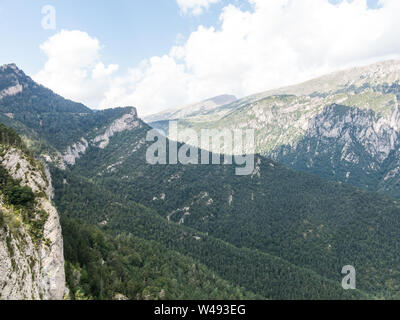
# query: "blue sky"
153,55
130,30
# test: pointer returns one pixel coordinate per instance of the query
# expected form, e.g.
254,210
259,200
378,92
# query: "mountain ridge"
284,118
31,244
190,109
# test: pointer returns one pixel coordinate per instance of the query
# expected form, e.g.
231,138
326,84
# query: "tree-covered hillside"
306,221
102,266
48,121
259,272
275,234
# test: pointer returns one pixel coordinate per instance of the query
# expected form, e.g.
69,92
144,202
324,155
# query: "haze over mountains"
139,231
192,110
343,126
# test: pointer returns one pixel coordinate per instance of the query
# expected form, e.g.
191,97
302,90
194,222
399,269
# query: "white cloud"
195,7
157,83
277,43
74,69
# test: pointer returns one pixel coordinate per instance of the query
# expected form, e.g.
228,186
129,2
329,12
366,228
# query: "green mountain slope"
276,233
99,264
306,221
102,266
48,122
256,271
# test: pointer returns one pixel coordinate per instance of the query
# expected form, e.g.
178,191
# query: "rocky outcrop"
14,86
75,151
377,136
128,121
350,145
20,270
11,91
30,269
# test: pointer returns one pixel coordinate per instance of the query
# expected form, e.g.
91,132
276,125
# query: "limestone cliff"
128,121
31,250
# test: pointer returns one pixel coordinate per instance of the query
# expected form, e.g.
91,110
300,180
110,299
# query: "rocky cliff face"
348,144
128,121
30,268
12,86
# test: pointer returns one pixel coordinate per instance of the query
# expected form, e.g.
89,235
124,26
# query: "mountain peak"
379,73
133,110
12,80
11,76
11,67
223,99
192,109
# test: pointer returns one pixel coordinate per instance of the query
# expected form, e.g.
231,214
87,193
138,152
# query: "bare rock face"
128,121
15,87
73,152
11,91
30,269
19,267
351,145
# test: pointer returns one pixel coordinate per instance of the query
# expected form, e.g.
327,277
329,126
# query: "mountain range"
191,110
132,230
343,126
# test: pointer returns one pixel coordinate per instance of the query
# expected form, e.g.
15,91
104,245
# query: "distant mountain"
52,126
192,110
344,126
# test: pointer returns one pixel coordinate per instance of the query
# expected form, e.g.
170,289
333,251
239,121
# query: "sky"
158,54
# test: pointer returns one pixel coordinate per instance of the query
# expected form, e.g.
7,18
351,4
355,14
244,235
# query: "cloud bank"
74,69
276,43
